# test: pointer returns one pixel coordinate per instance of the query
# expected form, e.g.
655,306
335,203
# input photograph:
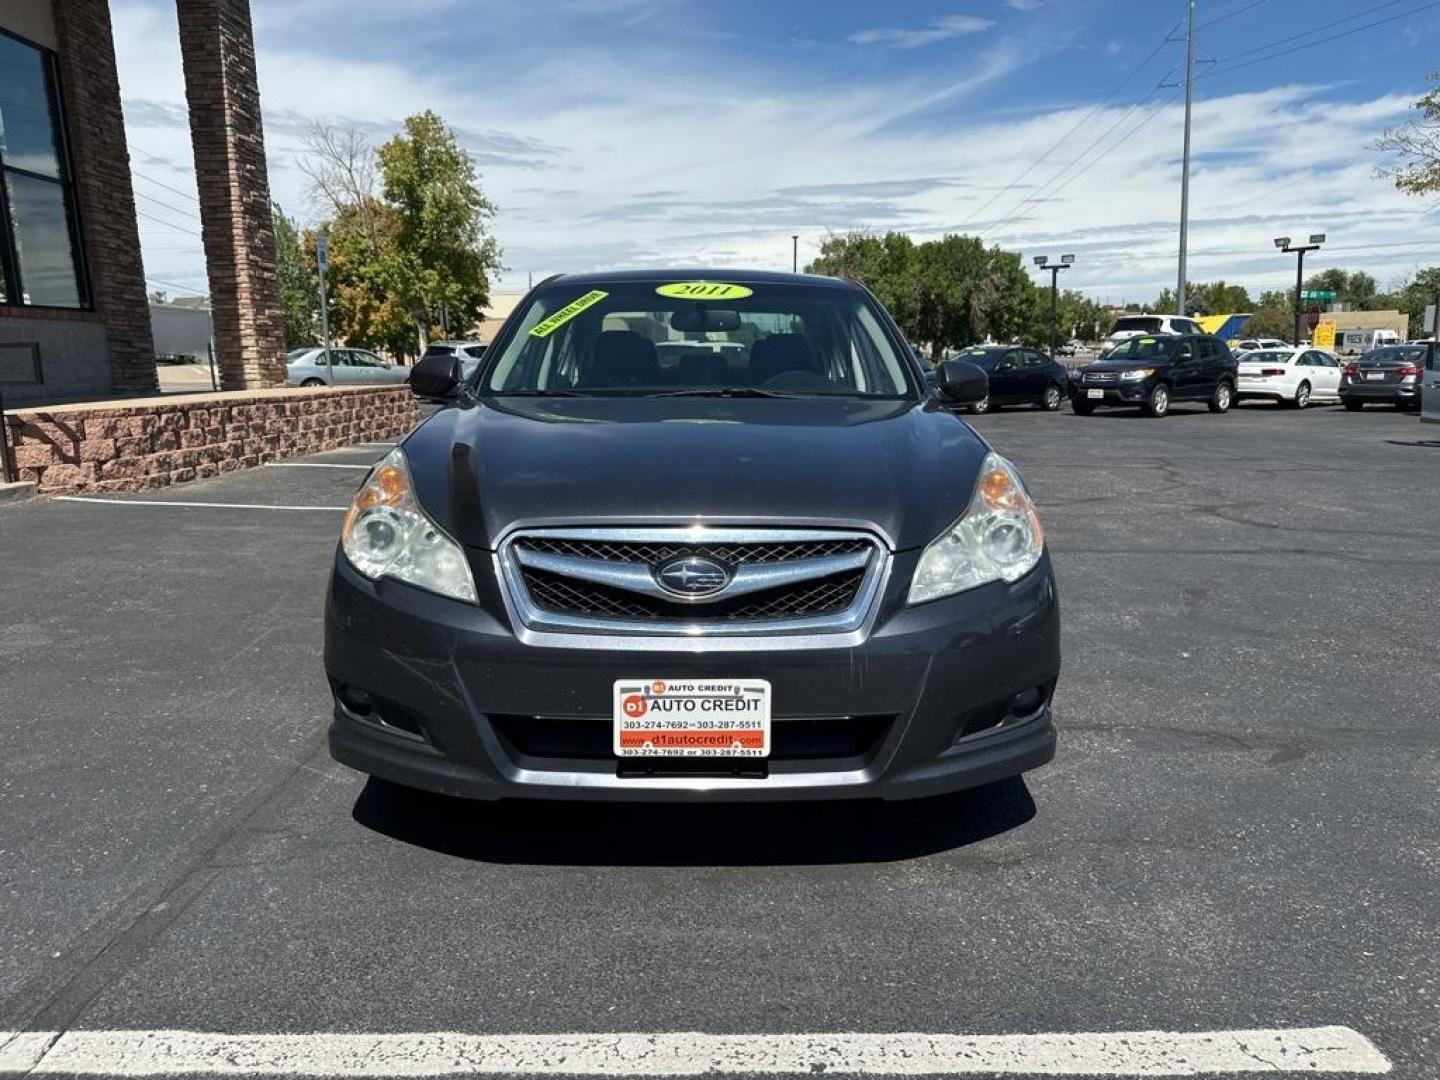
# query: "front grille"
568,596
607,579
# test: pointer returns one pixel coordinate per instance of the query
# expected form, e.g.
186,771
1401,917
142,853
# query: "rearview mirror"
436,377
703,320
962,382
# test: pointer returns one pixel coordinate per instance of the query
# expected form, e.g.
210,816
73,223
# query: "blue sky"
633,132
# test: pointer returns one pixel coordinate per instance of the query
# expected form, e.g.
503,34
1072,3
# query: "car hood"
905,469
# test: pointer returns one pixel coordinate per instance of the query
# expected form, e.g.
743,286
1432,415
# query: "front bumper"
1133,392
935,698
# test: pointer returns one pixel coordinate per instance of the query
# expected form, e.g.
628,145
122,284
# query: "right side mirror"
436,377
962,383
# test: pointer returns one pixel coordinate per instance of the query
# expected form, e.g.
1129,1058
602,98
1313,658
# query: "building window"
40,257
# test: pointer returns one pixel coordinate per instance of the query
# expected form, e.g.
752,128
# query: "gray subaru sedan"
693,535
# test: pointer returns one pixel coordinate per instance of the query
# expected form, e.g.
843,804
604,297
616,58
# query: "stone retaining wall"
155,442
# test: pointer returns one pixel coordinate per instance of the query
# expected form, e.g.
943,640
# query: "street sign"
322,252
1324,296
1429,323
1312,318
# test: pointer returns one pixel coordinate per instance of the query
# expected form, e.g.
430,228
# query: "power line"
1231,13
1226,65
167,206
1165,40
167,224
161,184
186,289
1036,196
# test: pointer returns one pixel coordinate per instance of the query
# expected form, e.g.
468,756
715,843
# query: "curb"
19,491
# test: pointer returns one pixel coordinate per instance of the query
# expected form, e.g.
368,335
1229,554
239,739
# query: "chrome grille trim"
513,558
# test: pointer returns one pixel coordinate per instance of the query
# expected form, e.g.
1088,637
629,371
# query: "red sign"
1312,318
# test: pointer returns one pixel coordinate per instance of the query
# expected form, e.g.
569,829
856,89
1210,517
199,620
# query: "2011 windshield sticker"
546,327
704,290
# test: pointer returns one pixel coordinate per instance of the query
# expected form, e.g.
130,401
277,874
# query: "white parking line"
311,465
207,505
378,1054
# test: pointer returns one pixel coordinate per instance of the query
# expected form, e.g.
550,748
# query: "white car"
351,367
1291,376
1252,344
1129,326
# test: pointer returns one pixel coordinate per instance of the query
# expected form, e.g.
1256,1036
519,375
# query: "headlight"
1137,374
386,534
998,538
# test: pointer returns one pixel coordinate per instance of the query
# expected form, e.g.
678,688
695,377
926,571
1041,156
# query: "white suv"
1129,326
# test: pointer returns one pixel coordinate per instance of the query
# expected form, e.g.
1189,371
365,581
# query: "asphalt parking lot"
1241,829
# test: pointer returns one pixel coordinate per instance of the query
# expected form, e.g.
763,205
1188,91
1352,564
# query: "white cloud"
1024,5
595,163
942,29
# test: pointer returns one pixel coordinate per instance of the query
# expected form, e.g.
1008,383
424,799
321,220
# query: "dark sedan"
1387,376
783,571
1018,376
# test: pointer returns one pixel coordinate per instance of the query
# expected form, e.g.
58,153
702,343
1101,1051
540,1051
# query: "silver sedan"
352,367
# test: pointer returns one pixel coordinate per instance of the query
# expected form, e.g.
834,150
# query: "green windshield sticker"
704,290
546,327
1147,341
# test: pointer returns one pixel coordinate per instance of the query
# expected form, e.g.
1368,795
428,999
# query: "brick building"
72,285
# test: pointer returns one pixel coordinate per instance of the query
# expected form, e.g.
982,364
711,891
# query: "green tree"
1413,148
885,265
1415,294
299,285
439,253
1205,298
1355,289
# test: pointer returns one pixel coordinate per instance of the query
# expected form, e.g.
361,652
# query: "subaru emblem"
692,577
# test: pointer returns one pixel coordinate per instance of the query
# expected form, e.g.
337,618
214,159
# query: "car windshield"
1145,325
638,338
298,354
1143,348
1395,356
1274,356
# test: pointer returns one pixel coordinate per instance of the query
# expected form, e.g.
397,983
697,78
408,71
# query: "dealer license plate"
692,718
1095,393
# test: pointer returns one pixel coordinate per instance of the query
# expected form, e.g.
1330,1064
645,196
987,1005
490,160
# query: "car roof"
701,273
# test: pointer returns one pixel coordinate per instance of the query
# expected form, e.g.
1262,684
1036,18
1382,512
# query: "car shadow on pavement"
692,834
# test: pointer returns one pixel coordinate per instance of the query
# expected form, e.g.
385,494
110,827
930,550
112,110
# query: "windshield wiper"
724,392
542,393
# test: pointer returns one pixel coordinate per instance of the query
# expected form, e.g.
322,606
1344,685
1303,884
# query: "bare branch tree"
341,170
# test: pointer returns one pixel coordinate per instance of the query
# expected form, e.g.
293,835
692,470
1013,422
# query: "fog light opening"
356,700
1027,703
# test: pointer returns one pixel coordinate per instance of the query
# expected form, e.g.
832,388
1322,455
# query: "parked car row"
1152,372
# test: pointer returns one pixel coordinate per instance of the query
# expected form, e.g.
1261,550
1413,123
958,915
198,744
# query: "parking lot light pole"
1044,263
1283,243
795,254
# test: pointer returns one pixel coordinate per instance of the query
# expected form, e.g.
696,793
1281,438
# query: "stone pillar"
90,89
218,54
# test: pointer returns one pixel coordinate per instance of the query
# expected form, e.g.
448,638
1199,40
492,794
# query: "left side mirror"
962,382
436,377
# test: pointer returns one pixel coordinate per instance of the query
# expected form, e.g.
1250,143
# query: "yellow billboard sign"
1324,335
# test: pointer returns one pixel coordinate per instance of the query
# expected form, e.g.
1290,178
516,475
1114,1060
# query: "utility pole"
322,264
795,254
1283,243
1185,164
1044,263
